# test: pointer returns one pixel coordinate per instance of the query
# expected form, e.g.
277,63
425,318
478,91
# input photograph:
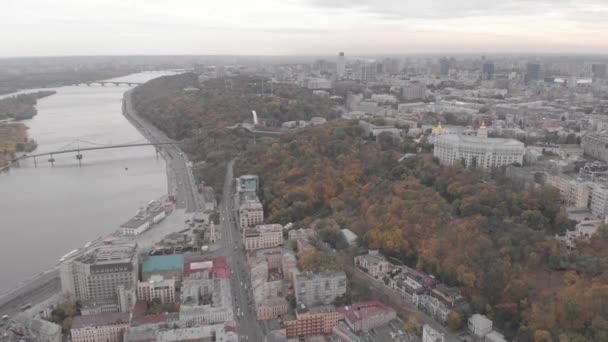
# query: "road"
232,246
180,180
39,289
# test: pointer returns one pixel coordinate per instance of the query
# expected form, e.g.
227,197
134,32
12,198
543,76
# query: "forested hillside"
199,114
466,227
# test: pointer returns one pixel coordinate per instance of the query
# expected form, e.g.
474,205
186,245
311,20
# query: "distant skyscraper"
444,66
599,71
487,71
532,72
341,65
367,71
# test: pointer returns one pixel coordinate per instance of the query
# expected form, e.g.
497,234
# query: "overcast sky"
302,27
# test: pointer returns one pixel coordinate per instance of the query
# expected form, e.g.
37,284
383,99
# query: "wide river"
45,212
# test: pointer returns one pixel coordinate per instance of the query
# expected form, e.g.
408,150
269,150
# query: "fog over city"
300,27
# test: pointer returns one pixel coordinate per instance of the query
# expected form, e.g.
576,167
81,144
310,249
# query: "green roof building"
168,266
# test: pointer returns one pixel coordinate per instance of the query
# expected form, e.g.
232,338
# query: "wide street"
232,245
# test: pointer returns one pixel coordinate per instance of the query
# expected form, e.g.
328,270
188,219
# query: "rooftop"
107,318
454,139
359,311
110,254
163,263
216,266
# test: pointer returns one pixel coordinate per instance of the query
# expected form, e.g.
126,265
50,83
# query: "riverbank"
22,106
46,284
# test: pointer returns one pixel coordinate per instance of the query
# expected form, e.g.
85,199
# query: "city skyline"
300,27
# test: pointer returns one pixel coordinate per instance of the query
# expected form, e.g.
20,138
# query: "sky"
300,27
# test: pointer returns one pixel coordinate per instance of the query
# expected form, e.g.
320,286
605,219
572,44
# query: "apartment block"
313,289
263,236
96,276
319,320
106,327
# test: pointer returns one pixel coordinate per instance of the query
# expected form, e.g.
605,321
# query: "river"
45,211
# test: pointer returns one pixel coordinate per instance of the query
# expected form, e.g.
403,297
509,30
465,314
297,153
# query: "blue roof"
163,263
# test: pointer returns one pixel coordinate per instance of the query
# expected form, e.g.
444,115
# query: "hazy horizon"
37,28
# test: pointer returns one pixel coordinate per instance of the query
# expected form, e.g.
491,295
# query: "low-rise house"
373,263
480,325
367,315
441,301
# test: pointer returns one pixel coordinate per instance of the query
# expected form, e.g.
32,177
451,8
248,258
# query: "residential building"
343,333
206,333
25,328
494,336
157,288
366,315
263,236
373,263
248,183
312,289
205,301
532,72
431,335
318,320
573,192
341,65
372,130
479,325
414,91
595,145
441,301
106,327
599,199
251,211
96,275
484,152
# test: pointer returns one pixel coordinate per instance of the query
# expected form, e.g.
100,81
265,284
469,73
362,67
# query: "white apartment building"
599,199
431,335
594,145
485,152
480,325
263,236
314,289
157,288
573,192
250,214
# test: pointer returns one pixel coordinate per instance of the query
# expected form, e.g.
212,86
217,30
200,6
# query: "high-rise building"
599,71
341,65
444,66
532,72
367,71
487,71
96,276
